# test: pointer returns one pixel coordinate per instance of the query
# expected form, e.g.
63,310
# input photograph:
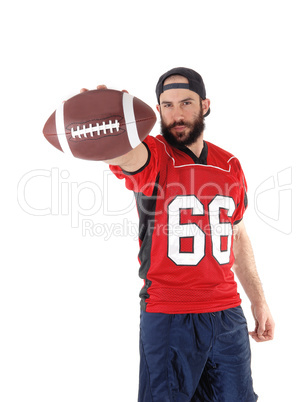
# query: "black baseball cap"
195,83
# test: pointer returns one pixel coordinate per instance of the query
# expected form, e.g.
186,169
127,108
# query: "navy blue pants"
195,357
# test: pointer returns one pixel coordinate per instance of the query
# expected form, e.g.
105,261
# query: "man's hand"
99,87
133,160
265,325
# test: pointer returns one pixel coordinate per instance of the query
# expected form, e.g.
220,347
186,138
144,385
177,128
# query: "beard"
196,129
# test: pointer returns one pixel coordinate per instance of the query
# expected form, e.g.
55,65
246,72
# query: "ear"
205,105
158,108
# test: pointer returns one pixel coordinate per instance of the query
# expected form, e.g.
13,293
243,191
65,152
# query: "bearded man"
191,197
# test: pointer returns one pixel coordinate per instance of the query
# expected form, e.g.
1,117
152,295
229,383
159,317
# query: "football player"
191,197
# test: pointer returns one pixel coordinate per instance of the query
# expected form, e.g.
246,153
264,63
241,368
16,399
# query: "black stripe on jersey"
146,210
237,222
202,160
245,204
245,200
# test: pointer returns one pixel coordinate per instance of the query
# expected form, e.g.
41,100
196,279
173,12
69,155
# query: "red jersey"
187,208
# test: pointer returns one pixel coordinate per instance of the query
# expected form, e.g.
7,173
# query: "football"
100,124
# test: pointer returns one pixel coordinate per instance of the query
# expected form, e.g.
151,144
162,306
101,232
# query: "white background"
69,305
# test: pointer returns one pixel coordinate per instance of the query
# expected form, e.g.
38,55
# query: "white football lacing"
78,132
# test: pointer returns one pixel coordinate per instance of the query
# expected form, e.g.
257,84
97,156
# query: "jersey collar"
202,160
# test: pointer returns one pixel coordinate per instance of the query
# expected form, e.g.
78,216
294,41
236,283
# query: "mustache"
179,123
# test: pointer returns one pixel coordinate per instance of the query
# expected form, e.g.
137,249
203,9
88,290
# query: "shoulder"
221,158
217,154
157,142
159,148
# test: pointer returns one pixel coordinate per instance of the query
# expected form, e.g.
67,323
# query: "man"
191,197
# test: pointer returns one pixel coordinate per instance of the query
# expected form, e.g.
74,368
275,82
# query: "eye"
187,103
167,105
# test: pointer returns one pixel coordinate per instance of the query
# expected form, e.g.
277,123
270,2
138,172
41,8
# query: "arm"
246,271
133,160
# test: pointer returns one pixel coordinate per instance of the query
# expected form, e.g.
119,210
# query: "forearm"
245,267
246,271
133,160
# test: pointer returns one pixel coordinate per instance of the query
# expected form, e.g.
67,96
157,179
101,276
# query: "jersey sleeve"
242,199
144,179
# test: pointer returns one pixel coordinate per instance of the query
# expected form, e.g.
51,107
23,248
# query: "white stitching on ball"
78,132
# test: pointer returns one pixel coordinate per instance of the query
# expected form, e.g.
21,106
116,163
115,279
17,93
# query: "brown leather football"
100,124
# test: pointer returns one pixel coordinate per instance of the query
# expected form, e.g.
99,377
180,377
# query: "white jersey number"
218,230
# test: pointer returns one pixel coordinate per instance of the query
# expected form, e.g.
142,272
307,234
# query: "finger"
254,336
101,87
257,338
270,333
261,331
83,90
124,90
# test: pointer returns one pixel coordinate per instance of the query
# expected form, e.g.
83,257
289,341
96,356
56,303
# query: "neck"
197,146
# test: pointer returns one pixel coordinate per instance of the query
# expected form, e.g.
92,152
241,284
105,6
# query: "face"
182,112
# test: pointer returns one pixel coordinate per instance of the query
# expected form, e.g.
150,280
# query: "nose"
178,114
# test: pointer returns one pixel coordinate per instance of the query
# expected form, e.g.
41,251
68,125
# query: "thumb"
261,329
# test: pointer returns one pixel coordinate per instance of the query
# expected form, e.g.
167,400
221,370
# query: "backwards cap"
195,83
